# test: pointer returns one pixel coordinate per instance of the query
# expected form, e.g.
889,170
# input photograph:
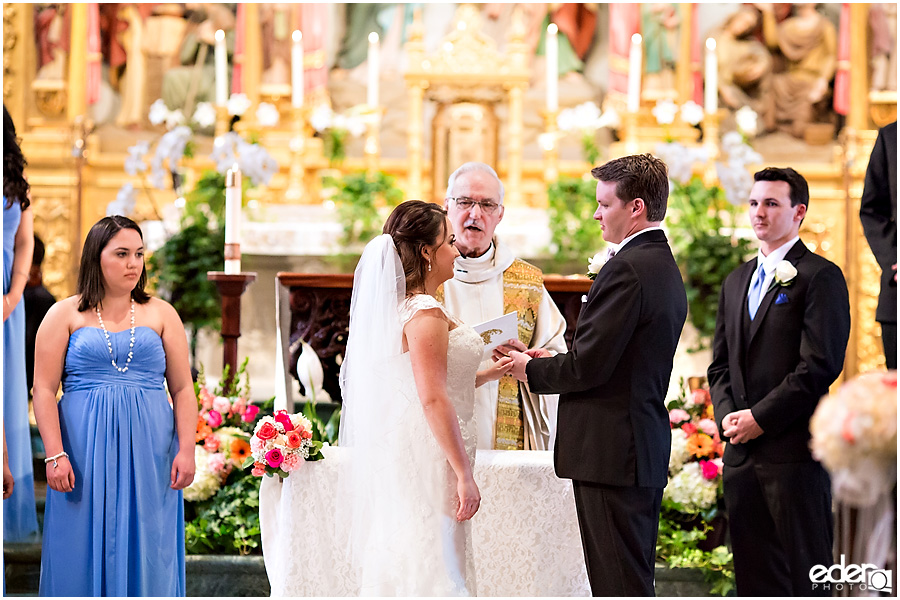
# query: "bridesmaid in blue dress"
19,512
118,454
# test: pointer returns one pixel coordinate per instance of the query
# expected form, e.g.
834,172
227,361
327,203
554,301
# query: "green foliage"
677,543
335,145
700,216
323,431
589,147
575,235
358,198
227,523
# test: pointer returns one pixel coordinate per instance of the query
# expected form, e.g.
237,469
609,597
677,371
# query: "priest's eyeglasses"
487,207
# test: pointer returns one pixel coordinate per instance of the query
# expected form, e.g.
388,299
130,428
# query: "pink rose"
216,462
274,458
709,469
222,405
294,439
211,444
689,428
256,444
700,397
719,464
250,414
678,415
239,406
266,431
213,419
292,462
259,469
708,426
285,419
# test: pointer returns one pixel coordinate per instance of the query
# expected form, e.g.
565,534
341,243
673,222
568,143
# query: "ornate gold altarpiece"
74,176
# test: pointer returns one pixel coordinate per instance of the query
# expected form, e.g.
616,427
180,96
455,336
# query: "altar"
525,535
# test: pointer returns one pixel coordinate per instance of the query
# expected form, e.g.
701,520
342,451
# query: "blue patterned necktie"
756,291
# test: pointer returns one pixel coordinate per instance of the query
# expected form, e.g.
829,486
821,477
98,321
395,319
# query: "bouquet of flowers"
223,432
281,443
695,464
854,435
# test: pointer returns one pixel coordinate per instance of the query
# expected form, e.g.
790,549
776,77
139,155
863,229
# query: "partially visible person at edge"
489,282
19,511
38,301
118,455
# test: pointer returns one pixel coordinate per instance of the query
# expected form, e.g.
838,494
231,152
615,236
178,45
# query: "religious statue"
193,82
883,28
275,22
745,66
660,32
51,33
807,41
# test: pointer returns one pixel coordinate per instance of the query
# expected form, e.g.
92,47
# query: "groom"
613,435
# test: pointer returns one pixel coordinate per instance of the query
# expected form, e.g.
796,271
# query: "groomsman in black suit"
781,335
878,213
613,438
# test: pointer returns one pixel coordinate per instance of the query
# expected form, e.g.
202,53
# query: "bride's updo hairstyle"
413,225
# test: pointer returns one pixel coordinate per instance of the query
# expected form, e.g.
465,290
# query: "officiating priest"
489,282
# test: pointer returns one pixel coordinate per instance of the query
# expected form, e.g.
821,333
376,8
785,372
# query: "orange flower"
240,450
203,429
710,413
700,445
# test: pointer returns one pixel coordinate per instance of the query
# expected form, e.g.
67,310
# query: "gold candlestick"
550,145
222,120
631,135
711,145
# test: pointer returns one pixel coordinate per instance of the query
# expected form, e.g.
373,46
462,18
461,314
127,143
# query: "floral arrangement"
691,526
334,128
280,445
222,437
854,435
585,119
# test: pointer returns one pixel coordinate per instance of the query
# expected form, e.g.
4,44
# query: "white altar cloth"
525,535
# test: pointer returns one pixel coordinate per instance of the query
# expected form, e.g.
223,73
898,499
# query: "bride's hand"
469,498
494,372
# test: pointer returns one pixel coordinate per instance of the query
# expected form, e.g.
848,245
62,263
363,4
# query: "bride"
408,383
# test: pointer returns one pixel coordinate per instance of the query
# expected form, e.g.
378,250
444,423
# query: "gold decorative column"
77,79
858,118
514,150
252,67
415,139
295,190
18,60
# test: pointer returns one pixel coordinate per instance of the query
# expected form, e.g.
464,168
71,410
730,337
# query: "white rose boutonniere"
785,273
595,263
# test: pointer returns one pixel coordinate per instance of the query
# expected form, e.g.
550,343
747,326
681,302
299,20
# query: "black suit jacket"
780,364
878,213
613,427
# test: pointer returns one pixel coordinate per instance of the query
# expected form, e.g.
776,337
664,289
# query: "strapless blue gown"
19,512
120,532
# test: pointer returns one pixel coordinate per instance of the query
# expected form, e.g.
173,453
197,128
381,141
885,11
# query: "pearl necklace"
109,343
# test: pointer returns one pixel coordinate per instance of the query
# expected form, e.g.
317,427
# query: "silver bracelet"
55,458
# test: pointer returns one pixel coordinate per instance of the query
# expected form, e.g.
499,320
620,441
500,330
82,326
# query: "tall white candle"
552,54
221,69
711,82
297,69
372,91
232,220
634,74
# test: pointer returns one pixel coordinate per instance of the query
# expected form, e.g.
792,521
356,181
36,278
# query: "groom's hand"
503,350
741,426
519,361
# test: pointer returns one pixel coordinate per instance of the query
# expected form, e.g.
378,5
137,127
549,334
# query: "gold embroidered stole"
523,288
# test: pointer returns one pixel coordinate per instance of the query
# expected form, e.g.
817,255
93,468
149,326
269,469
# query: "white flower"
159,112
135,161
174,118
690,489
587,114
206,482
224,152
596,262
610,118
205,115
355,125
665,111
321,118
566,121
171,147
736,182
691,112
157,177
238,104
746,120
680,160
679,454
124,203
267,114
785,273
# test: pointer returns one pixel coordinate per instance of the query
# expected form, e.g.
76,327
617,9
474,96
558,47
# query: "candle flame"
373,38
552,29
220,35
710,44
296,36
636,39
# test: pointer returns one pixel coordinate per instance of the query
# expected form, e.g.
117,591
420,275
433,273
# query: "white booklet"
498,331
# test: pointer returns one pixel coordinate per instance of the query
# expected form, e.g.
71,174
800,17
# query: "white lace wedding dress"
427,552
